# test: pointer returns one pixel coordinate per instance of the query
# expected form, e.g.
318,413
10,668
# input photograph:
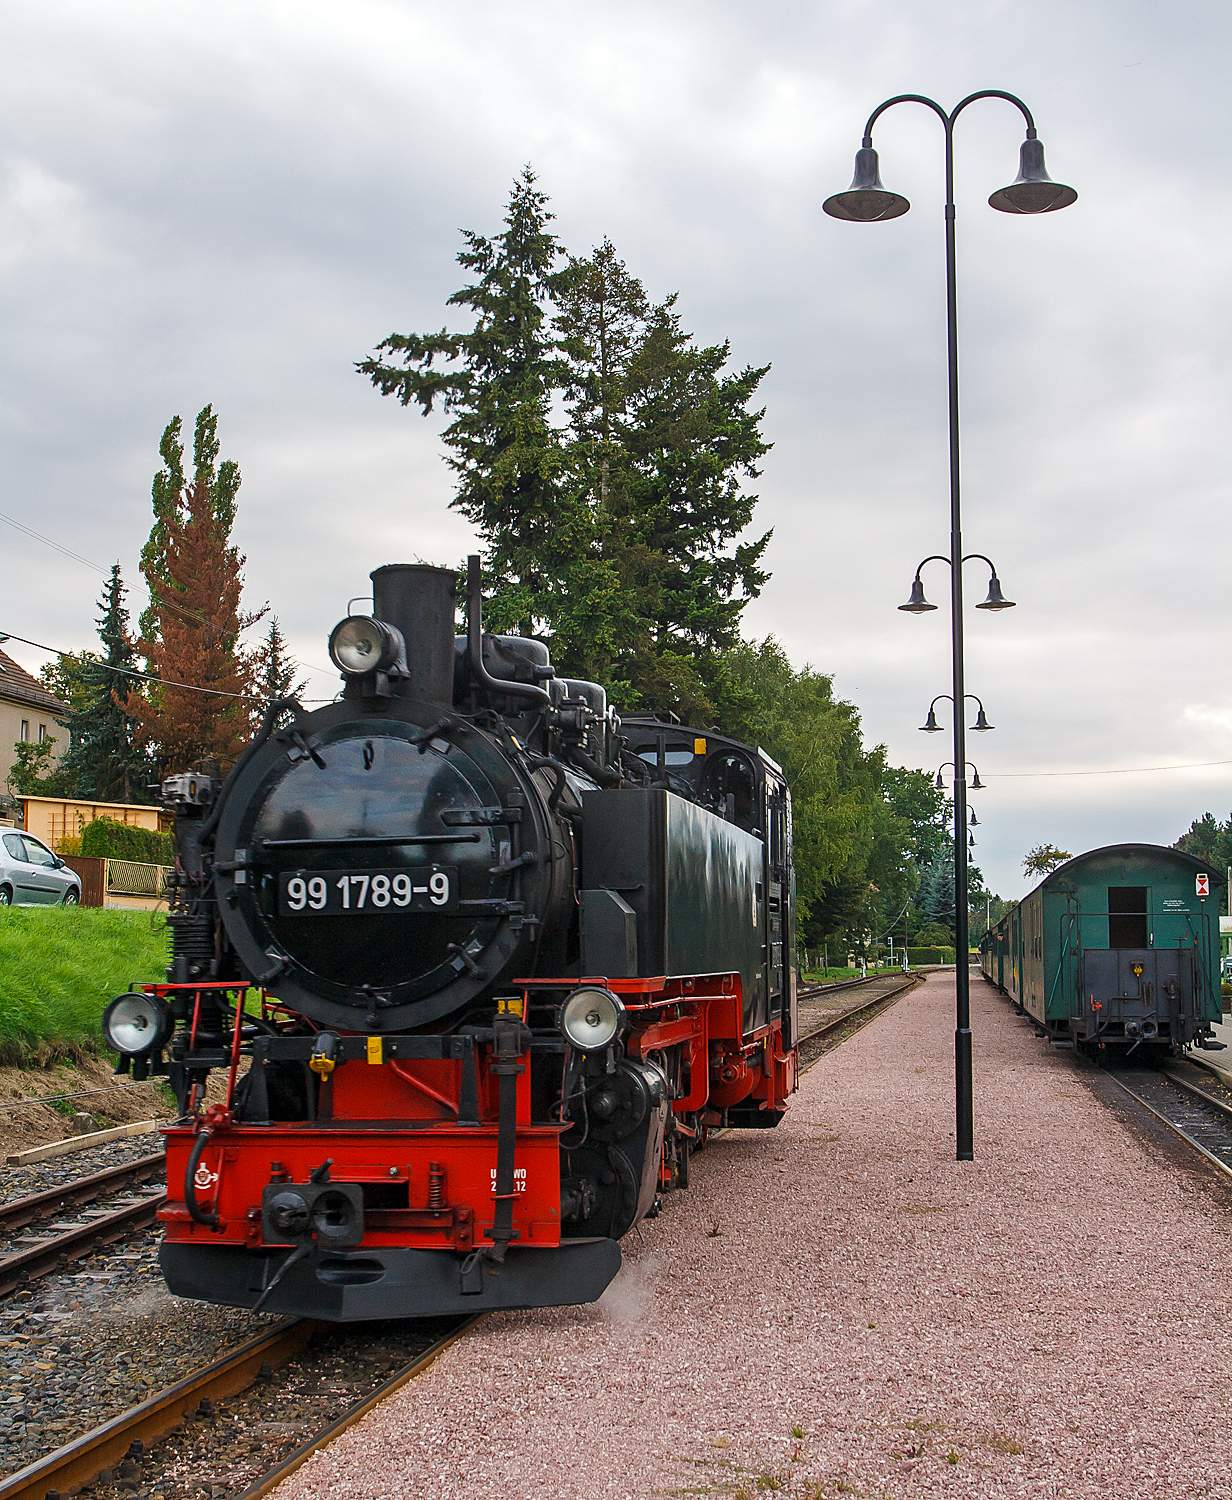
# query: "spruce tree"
275,669
496,382
601,314
204,704
103,759
617,534
691,442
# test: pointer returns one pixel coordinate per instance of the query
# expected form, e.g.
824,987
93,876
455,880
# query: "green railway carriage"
1116,949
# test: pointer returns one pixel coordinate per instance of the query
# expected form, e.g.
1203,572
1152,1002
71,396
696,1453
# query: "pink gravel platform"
1051,1319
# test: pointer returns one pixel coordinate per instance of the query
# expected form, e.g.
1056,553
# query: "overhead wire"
163,603
38,536
1194,765
130,671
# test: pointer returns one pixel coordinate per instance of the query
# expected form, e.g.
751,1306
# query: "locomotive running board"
389,1282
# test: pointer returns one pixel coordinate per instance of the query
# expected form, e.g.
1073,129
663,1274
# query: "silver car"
31,875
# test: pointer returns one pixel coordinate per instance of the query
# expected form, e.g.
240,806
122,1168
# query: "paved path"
1051,1319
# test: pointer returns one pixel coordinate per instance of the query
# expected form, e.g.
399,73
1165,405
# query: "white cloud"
233,202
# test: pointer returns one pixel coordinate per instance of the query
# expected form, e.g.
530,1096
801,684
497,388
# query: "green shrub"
107,839
58,968
919,956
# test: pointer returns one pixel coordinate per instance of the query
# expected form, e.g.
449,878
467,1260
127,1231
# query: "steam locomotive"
497,961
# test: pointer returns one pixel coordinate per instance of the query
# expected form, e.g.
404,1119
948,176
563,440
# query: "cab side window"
731,788
14,847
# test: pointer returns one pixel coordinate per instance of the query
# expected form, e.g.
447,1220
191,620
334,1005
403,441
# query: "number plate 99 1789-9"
343,893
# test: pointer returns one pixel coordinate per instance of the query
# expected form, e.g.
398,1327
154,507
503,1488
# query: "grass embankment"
58,968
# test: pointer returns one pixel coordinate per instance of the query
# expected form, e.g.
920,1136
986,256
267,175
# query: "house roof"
18,686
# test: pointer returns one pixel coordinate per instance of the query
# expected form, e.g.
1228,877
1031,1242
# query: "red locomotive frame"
433,1186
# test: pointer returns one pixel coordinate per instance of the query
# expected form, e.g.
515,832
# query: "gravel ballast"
839,1307
81,1346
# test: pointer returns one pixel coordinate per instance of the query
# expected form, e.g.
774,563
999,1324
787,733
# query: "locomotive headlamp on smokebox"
360,644
591,1019
135,1024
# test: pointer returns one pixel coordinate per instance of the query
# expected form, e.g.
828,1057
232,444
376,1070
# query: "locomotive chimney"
418,599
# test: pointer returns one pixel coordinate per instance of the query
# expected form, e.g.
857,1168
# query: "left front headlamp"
361,644
592,1019
135,1023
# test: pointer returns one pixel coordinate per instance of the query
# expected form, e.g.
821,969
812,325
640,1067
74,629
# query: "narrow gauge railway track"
883,991
205,1427
220,1425
54,1242
814,990
1201,1119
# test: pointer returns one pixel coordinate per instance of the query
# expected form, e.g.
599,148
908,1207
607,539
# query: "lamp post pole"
867,200
964,1122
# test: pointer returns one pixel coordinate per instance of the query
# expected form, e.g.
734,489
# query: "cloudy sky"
233,202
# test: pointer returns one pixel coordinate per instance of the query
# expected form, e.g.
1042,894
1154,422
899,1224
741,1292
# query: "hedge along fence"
59,966
104,838
919,956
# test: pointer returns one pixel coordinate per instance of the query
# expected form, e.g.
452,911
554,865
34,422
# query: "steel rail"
23,1211
81,1461
857,1010
839,984
53,1254
274,1477
1220,1105
1197,1146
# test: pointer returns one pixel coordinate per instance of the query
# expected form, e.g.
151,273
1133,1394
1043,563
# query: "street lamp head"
866,200
996,599
981,723
930,725
917,604
975,822
976,784
971,842
1032,191
940,782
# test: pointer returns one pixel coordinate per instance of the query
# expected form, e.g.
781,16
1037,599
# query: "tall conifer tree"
496,382
191,631
616,534
103,758
276,669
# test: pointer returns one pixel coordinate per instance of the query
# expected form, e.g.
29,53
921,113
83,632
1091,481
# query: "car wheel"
6,895
71,897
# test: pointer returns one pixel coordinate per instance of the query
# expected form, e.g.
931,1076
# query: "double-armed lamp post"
867,201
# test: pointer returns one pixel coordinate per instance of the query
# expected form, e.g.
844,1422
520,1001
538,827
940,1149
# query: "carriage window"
1127,924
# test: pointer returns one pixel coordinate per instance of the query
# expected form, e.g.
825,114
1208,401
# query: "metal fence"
125,877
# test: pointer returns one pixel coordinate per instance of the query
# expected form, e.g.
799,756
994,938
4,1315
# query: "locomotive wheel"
616,1189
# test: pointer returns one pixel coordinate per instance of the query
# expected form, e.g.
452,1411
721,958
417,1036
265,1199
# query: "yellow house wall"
54,818
11,715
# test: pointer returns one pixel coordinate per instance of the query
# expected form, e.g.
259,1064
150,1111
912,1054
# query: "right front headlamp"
135,1023
592,1018
361,644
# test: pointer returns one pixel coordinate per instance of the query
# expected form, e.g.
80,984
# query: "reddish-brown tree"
191,631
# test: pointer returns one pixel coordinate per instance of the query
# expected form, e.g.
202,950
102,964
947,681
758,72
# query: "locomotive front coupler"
511,1040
